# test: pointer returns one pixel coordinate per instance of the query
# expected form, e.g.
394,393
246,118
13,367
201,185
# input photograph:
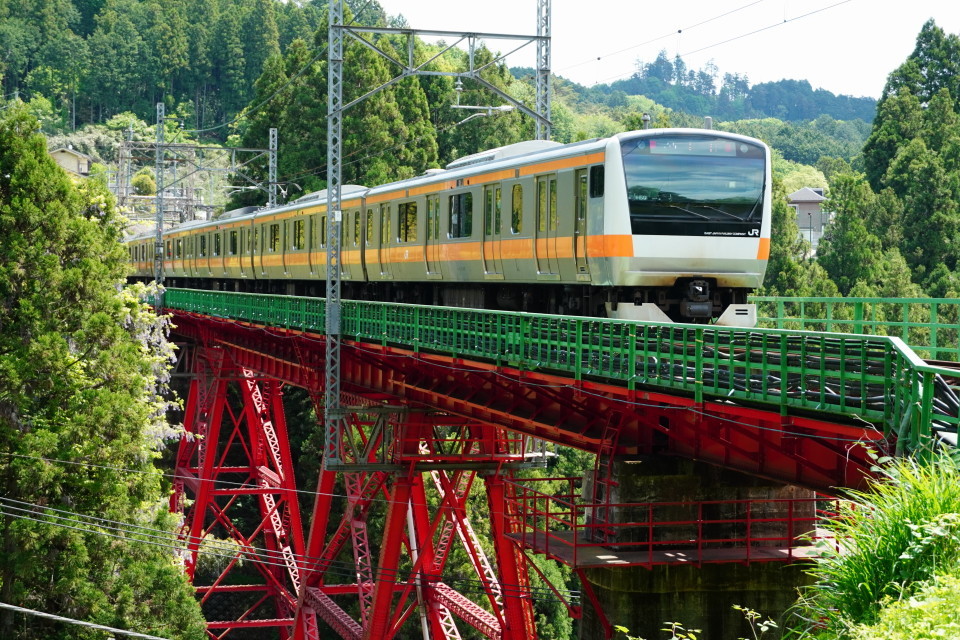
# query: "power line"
79,623
168,540
775,24
739,37
666,35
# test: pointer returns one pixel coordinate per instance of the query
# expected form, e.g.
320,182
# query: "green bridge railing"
931,326
874,378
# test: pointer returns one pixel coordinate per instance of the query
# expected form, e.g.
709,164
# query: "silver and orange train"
655,224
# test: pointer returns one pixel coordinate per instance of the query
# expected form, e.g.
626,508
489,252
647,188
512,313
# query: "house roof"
805,195
74,152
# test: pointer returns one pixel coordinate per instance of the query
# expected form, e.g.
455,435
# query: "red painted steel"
416,413
793,449
232,450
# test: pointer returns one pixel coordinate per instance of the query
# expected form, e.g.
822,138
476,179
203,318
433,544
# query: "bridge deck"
799,407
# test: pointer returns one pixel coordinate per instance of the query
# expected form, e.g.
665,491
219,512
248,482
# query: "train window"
408,221
169,249
542,184
369,226
433,217
596,181
203,246
234,243
274,237
554,218
189,247
356,228
488,211
516,209
178,248
299,234
255,240
323,231
217,244
384,225
461,215
547,203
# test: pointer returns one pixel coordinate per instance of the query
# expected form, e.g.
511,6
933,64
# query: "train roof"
490,160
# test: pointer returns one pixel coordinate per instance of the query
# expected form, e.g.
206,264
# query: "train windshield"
694,185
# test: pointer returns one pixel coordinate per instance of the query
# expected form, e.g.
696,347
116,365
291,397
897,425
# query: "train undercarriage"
691,300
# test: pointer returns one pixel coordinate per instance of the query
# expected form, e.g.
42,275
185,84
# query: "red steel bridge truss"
420,431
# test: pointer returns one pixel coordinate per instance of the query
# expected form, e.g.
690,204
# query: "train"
657,224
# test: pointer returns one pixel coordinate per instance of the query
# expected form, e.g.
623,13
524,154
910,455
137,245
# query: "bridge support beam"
699,596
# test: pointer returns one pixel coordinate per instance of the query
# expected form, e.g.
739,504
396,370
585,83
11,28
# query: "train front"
696,205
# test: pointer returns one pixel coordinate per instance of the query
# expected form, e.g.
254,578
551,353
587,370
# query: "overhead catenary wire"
738,37
664,36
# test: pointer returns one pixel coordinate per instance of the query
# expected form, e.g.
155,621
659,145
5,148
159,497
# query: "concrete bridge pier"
643,599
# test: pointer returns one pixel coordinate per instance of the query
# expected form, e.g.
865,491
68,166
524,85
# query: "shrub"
899,533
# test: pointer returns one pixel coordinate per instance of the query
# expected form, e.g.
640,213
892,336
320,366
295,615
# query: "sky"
844,46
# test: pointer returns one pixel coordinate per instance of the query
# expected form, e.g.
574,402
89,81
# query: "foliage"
83,365
144,183
759,626
805,142
704,92
900,532
795,176
930,614
914,150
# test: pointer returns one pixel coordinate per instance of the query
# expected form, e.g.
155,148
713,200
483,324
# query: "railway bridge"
716,451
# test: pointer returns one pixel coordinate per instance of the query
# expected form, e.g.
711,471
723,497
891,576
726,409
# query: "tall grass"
896,535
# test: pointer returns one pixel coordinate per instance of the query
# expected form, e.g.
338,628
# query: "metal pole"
272,178
543,69
332,411
159,160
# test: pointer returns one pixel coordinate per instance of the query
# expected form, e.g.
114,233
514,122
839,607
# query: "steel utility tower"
335,108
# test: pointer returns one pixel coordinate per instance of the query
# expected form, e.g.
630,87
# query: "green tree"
81,417
933,65
848,251
899,120
261,40
117,39
931,222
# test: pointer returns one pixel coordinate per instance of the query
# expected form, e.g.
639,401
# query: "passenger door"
545,232
383,249
580,226
492,262
431,247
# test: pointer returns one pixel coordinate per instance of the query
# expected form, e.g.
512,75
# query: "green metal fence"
875,378
931,326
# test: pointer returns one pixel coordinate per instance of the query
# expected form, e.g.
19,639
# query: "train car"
655,224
